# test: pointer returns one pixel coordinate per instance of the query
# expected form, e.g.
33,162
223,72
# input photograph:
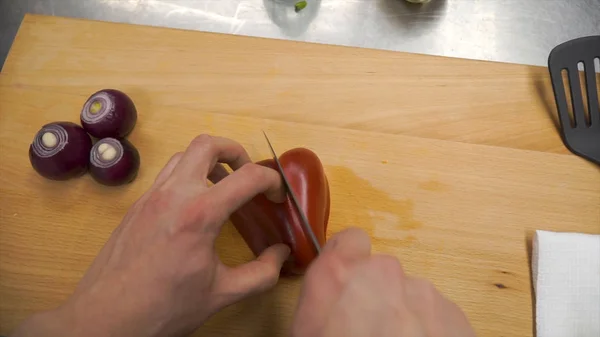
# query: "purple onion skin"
120,172
70,161
116,122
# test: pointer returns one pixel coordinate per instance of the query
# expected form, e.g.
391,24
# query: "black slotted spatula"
580,132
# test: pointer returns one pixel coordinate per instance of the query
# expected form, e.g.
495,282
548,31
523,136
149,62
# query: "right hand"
349,292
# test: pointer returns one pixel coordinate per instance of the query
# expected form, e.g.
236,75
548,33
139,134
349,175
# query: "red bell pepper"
263,223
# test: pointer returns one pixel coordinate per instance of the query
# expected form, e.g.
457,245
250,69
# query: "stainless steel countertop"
518,31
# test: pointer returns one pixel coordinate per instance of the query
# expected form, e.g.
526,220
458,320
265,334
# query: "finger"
218,173
377,284
251,278
162,176
433,308
420,293
387,272
204,152
327,277
168,169
244,184
340,255
350,244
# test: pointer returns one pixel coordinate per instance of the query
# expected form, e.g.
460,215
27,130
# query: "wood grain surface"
449,164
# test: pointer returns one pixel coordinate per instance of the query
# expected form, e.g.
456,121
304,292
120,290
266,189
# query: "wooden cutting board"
458,204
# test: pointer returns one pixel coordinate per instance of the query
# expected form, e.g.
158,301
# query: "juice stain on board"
356,203
432,186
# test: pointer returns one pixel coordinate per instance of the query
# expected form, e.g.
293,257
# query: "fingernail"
284,248
331,244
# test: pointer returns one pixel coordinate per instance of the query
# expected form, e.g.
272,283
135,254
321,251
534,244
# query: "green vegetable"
300,5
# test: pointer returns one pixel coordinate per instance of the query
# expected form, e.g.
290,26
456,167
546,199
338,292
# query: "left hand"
158,274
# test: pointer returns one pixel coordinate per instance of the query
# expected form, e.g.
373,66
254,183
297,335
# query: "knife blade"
303,219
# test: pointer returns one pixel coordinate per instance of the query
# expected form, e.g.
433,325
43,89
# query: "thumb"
235,284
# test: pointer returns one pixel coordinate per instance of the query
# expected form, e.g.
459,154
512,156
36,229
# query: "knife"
303,219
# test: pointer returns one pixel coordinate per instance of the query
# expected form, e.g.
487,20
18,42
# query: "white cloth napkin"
566,278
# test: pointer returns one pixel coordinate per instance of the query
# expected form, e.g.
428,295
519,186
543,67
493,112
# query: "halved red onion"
108,113
60,151
114,162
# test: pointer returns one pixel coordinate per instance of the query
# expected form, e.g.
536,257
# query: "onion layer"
108,113
60,151
114,162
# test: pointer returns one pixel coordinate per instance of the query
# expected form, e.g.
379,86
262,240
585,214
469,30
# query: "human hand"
349,292
158,274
